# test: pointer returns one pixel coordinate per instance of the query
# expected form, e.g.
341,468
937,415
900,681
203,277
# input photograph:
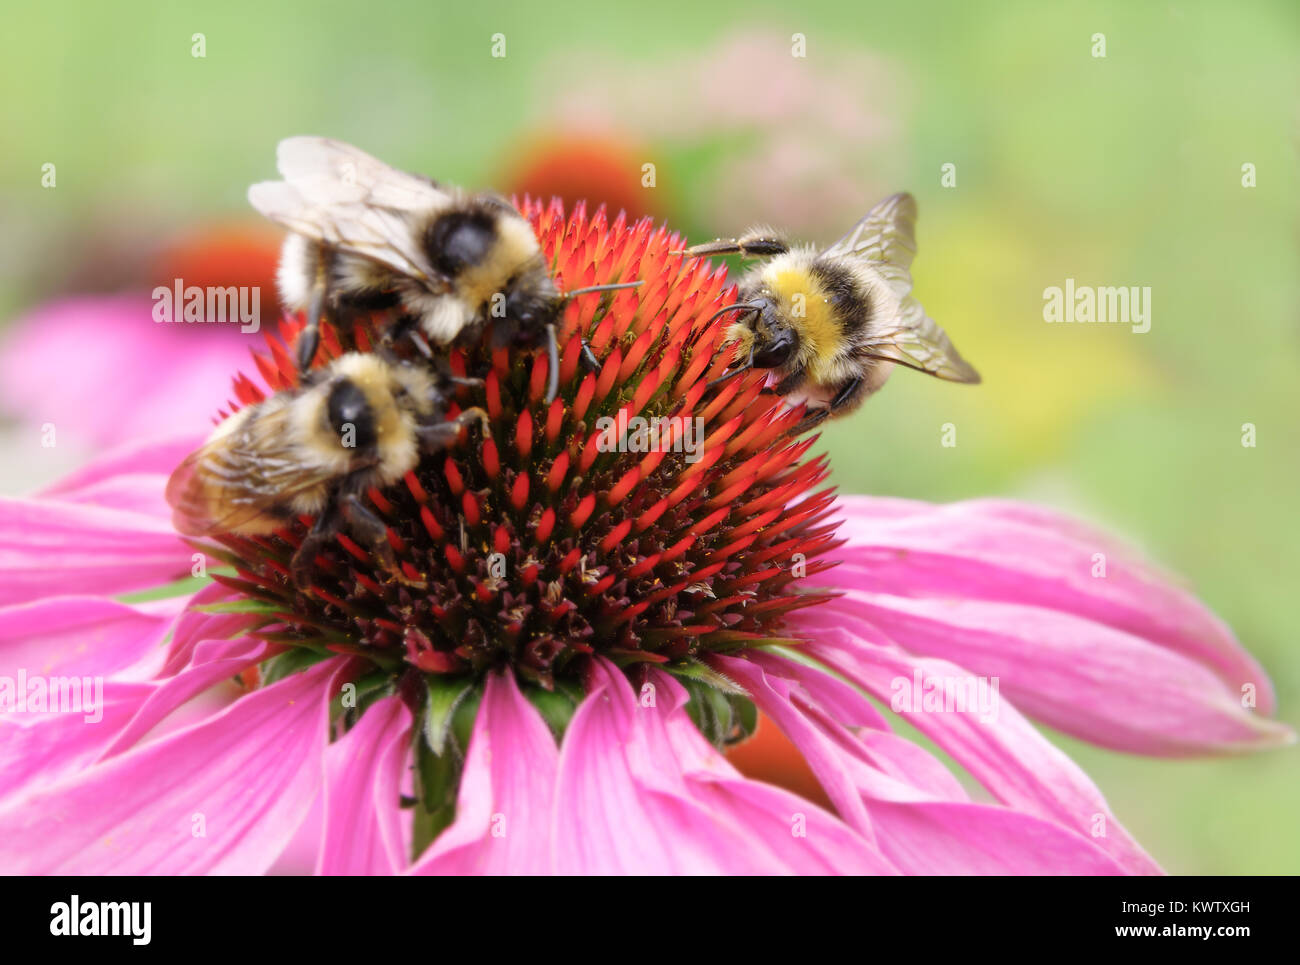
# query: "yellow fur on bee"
804,302
742,337
515,245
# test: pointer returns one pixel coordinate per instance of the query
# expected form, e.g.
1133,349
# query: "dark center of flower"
644,515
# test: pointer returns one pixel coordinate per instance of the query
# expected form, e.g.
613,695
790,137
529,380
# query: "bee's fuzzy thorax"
802,298
515,248
394,425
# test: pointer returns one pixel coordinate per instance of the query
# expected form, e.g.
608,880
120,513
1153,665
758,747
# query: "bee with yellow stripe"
832,323
447,262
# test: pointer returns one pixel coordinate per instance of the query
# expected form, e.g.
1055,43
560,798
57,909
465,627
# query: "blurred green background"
1122,170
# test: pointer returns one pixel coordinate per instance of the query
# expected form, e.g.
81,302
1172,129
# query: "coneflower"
594,599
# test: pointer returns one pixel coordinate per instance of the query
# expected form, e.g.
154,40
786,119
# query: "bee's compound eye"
350,416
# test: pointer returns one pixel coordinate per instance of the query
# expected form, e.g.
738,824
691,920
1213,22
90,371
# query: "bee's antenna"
728,375
732,373
571,293
750,306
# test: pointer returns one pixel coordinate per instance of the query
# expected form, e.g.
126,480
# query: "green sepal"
462,720
698,670
556,708
369,689
435,807
240,606
721,717
186,586
698,709
450,710
288,663
746,719
443,696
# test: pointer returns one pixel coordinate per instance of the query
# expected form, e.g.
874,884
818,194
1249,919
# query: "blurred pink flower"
103,372
794,140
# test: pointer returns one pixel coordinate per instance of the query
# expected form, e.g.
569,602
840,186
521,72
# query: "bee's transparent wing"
379,233
228,483
915,340
885,237
329,172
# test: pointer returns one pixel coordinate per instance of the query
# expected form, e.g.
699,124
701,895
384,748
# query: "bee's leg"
444,377
309,337
552,363
323,530
407,326
372,532
421,343
462,380
849,397
810,421
755,244
439,435
397,330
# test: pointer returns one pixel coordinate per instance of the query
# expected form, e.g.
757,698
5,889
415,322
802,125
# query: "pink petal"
870,739
946,838
363,832
213,662
818,749
195,626
250,774
825,846
301,855
156,456
1017,765
48,547
79,635
503,808
1084,678
36,750
640,792
1016,553
142,493
919,832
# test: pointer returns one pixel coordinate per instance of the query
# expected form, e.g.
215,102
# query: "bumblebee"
365,236
361,421
832,324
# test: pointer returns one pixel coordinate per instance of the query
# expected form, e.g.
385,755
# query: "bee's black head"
351,416
460,239
531,303
775,339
